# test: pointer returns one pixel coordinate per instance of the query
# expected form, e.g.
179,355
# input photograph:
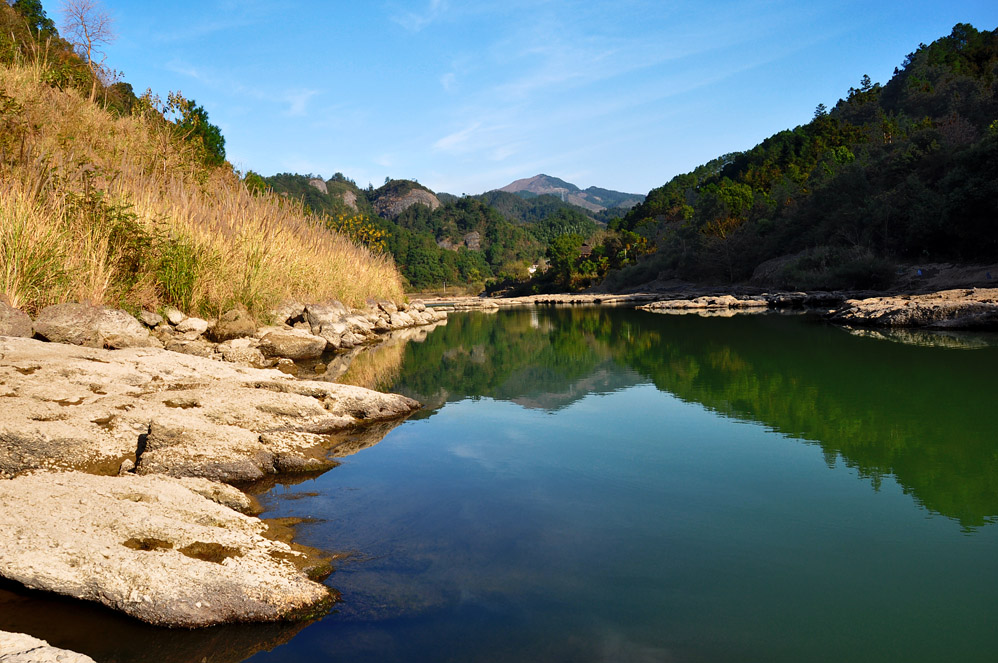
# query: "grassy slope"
117,211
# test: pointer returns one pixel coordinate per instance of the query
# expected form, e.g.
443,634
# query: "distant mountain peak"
593,199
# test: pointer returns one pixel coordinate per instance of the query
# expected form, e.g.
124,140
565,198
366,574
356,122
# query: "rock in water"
21,648
150,547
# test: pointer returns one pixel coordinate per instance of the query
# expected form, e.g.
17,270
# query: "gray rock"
21,648
14,322
319,316
197,347
292,344
388,307
232,324
976,309
242,351
174,317
288,312
90,326
68,407
150,547
150,319
195,325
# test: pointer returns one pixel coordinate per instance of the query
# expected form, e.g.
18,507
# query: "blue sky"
468,96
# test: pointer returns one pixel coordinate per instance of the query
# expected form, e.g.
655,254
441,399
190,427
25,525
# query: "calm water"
612,485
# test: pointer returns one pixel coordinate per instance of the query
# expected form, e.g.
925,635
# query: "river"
592,484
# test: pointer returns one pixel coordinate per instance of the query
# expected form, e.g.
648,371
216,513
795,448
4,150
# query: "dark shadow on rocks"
109,637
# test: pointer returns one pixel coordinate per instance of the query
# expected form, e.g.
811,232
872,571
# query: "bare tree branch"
89,27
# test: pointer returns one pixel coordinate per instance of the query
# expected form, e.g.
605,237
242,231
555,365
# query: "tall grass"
117,211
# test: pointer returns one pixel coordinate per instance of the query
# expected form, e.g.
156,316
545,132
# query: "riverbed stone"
195,325
14,322
174,316
150,547
22,648
91,326
292,344
150,319
236,323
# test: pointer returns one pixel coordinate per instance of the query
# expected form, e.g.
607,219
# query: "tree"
192,123
89,27
820,111
33,12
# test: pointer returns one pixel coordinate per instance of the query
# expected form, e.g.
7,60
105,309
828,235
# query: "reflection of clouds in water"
615,646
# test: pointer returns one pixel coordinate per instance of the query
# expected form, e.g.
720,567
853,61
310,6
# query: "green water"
613,485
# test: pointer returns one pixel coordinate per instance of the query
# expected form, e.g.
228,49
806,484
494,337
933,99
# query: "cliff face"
392,204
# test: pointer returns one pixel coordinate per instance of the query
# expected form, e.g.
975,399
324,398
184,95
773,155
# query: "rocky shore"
116,465
971,309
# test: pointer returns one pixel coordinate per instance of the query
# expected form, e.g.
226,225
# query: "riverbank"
117,466
953,309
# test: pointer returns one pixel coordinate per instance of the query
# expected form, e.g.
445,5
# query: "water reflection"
917,413
109,637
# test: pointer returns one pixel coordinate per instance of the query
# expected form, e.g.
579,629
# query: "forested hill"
904,172
438,239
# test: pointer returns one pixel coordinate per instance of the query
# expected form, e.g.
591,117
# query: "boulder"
151,547
14,322
287,312
150,319
91,326
173,316
21,648
232,324
319,316
292,344
193,325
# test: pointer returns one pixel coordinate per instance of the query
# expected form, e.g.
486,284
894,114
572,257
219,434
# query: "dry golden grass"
117,211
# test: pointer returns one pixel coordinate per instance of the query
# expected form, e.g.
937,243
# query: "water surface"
611,485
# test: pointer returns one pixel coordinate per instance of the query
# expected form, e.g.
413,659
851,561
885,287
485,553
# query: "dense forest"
488,241
905,172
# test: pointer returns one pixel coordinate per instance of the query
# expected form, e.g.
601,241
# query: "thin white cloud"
415,21
459,141
448,80
297,101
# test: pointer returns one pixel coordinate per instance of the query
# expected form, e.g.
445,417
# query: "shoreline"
954,309
123,470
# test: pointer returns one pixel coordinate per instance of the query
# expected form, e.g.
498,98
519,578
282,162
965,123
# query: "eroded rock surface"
69,407
21,648
151,547
972,309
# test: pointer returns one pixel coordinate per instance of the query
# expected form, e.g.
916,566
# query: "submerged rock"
150,547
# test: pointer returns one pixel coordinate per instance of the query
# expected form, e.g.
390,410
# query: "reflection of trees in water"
919,414
884,409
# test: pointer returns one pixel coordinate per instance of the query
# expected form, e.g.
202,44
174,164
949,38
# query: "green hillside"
901,172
